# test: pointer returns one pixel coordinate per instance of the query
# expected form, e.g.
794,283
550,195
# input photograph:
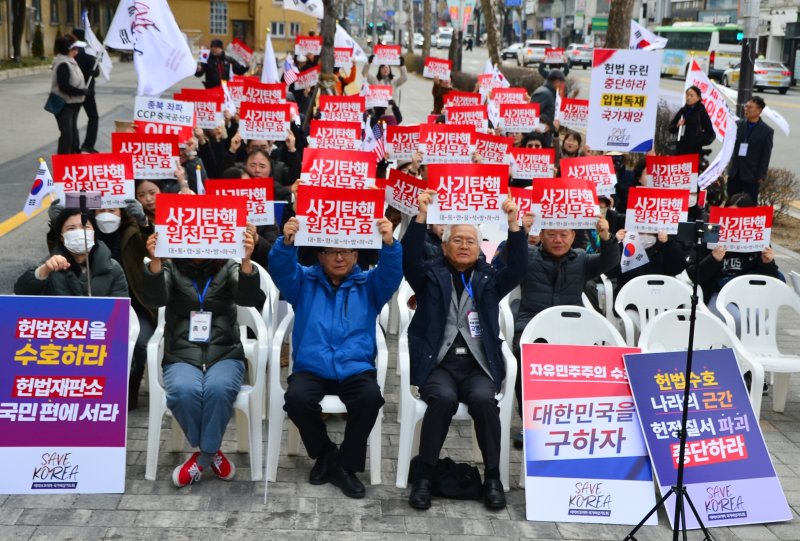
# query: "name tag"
743,149
199,326
474,325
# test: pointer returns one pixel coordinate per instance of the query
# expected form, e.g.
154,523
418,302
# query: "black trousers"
459,378
67,120
90,106
737,186
361,396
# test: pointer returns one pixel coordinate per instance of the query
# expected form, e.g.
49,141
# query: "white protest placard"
153,115
564,203
403,191
308,78
337,217
573,114
343,57
308,45
338,168
598,169
651,210
378,96
493,148
679,172
342,108
519,117
532,163
554,56
154,156
475,116
264,122
467,193
402,142
110,174
442,143
335,135
742,229
436,67
388,55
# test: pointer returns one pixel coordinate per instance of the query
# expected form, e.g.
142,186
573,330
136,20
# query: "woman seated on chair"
204,362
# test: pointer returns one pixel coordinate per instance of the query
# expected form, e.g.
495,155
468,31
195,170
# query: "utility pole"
749,51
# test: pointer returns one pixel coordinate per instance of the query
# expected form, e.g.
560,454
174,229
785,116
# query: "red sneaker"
222,467
187,473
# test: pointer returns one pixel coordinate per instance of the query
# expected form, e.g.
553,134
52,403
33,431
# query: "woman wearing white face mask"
64,272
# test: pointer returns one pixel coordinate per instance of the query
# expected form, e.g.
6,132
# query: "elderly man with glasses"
453,340
334,347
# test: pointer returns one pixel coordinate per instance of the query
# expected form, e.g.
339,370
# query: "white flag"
500,78
42,185
119,33
768,111
269,70
488,68
720,163
309,7
96,49
343,40
642,38
633,253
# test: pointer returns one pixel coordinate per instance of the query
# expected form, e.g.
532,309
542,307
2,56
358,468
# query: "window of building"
54,11
219,18
278,29
70,11
294,29
37,6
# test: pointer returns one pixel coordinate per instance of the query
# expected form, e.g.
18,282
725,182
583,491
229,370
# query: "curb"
21,218
23,72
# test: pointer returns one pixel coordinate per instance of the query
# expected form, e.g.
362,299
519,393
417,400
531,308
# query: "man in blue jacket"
453,340
333,347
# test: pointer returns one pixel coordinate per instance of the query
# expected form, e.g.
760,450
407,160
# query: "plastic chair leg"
375,451
153,441
274,433
779,392
242,431
405,448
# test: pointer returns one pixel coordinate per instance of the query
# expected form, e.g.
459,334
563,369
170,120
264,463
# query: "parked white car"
532,52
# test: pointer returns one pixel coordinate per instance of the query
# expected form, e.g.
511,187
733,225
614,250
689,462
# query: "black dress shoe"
347,482
323,467
420,497
493,495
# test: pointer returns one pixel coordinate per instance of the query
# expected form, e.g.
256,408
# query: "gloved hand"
54,211
402,60
135,210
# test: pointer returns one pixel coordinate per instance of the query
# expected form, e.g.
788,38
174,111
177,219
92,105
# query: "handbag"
452,479
55,104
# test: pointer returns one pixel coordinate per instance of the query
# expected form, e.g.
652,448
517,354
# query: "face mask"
190,154
107,222
647,240
75,243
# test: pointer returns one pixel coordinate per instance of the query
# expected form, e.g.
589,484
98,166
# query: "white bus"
716,46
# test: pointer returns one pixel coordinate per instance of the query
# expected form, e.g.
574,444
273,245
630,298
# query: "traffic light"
371,26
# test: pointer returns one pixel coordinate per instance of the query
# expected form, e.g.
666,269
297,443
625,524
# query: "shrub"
37,46
779,189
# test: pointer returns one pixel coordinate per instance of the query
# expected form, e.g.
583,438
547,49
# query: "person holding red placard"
218,66
386,76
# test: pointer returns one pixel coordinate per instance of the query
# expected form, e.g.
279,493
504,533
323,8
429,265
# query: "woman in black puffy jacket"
697,129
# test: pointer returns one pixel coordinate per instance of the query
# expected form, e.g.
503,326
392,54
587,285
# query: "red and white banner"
651,210
240,52
402,142
436,67
564,203
110,174
153,115
308,78
343,57
207,105
523,197
509,95
554,56
259,193
257,92
342,108
456,98
402,192
519,117
200,226
154,156
264,122
378,96
598,169
742,229
335,135
388,55
713,100
234,94
467,193
308,45
338,168
493,148
339,217
442,143
573,114
475,116
531,163
678,172
486,82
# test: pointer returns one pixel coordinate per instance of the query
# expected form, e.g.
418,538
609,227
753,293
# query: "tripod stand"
679,489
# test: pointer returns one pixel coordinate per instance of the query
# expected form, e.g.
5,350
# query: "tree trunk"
328,32
619,24
427,23
491,31
18,28
478,26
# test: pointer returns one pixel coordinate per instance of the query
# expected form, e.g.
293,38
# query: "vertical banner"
153,115
110,174
259,192
679,172
345,218
154,156
651,210
623,99
467,193
742,229
63,394
728,472
585,458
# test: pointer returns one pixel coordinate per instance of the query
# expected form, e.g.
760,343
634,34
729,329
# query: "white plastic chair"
330,404
133,335
794,276
669,331
651,295
507,315
759,299
249,401
574,325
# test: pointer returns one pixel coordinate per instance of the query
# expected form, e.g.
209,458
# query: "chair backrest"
133,334
571,325
795,277
669,331
404,293
270,310
652,294
758,299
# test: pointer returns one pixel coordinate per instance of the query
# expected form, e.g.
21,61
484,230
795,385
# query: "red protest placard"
259,193
343,108
338,168
343,57
339,217
235,92
335,135
573,114
443,143
388,55
264,122
651,210
110,174
742,229
436,67
308,78
519,117
307,45
154,115
207,105
154,156
456,98
564,203
200,226
402,142
679,172
598,169
493,148
402,191
554,56
240,51
378,96
475,116
523,197
467,193
531,163
257,92
509,95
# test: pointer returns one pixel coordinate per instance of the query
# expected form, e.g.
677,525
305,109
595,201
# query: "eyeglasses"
460,241
336,254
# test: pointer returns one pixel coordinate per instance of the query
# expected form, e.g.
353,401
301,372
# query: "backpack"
454,480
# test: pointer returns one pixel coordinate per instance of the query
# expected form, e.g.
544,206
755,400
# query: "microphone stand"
84,221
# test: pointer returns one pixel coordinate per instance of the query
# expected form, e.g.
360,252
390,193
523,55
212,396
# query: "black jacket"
218,69
432,284
665,258
753,167
89,67
698,131
713,275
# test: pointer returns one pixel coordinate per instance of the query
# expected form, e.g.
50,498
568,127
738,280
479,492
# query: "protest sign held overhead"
598,169
110,174
388,55
402,142
493,148
344,218
308,78
436,67
532,163
651,210
343,57
678,172
456,98
265,122
333,134
256,92
342,108
742,229
259,193
443,143
519,117
564,203
467,193
573,114
523,197
338,168
377,96
153,115
554,56
403,191
474,116
207,105
239,51
308,45
509,95
155,156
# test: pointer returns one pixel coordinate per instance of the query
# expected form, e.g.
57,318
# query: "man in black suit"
90,69
752,152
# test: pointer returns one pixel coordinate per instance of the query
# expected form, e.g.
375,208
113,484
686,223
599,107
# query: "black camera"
690,232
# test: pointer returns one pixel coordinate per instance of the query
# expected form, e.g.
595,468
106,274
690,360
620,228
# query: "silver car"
510,51
579,55
766,74
532,52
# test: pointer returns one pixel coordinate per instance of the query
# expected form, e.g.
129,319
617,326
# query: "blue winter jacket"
334,328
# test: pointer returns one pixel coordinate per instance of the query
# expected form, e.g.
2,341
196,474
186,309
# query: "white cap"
302,58
78,45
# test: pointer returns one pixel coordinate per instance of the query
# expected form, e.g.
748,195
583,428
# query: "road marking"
20,218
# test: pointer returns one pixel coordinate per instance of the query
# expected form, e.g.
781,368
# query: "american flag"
289,73
378,132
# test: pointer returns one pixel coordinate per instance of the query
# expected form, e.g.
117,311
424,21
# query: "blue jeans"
202,402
